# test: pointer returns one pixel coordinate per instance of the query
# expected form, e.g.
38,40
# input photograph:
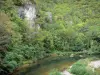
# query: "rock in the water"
81,56
72,55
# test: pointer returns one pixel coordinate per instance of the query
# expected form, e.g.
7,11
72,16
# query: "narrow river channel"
45,66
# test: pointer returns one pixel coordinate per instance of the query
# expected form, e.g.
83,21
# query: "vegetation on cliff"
65,26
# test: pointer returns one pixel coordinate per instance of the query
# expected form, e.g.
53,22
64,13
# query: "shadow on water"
44,66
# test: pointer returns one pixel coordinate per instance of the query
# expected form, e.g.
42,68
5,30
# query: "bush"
81,68
19,2
12,60
55,72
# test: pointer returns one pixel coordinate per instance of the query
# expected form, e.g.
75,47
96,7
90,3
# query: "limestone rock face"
28,12
49,16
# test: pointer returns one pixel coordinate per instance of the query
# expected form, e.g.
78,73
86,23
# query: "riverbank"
95,64
65,73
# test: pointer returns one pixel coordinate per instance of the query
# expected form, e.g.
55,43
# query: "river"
45,66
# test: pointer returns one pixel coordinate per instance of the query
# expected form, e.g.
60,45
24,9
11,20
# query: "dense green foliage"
55,72
81,68
72,27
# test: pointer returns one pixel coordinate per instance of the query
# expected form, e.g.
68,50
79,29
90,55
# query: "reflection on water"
45,66
44,69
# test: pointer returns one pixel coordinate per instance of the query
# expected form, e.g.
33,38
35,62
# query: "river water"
45,66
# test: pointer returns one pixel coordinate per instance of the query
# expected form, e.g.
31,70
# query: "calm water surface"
45,66
51,63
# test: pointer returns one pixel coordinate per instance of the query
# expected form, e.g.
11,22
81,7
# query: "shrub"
55,72
12,60
81,68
